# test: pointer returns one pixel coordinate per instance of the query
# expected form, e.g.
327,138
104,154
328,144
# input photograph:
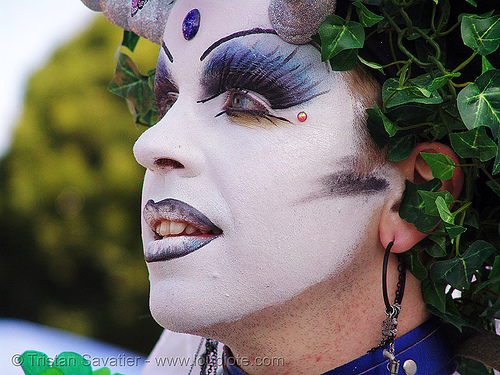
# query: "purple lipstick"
178,228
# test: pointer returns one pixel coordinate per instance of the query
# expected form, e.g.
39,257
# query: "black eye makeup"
166,91
254,78
258,78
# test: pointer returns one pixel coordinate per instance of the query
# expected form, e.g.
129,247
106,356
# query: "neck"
324,326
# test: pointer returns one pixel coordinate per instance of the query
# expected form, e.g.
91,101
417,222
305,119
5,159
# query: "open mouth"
178,229
167,228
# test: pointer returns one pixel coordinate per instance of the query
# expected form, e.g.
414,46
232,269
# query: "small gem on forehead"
302,116
191,24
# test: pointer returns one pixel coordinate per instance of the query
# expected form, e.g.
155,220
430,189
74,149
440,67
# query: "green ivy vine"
427,101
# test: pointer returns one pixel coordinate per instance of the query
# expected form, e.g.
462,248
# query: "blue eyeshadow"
284,79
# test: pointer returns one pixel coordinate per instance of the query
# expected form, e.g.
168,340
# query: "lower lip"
174,247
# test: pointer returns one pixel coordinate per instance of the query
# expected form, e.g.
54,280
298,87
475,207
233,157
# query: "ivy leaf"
479,103
470,366
33,362
338,35
376,128
494,187
495,270
486,65
439,82
372,65
412,207
345,60
454,230
434,294
130,40
438,249
402,147
493,277
481,34
444,211
415,91
72,364
366,17
441,166
136,88
430,197
458,322
472,2
496,164
389,126
414,264
493,311
411,114
458,271
474,143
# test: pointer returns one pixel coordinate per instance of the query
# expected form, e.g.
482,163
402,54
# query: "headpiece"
295,21
146,18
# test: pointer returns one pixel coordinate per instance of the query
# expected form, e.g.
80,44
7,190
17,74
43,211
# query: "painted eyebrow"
238,34
167,51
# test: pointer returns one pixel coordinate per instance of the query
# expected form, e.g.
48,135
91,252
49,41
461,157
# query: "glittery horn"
146,18
296,21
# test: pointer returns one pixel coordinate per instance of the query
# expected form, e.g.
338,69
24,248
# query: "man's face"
263,205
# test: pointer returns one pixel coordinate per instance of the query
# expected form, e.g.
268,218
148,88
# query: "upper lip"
177,211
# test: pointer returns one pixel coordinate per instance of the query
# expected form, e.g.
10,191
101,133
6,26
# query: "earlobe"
416,170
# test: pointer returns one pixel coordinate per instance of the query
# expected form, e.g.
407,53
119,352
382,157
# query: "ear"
416,170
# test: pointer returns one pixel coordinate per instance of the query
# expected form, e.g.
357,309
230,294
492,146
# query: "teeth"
190,229
173,228
176,228
164,228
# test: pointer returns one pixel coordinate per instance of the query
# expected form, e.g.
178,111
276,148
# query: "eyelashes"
280,79
255,79
165,90
242,104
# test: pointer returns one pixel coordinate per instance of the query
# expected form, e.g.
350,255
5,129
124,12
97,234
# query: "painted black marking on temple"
351,184
238,34
167,51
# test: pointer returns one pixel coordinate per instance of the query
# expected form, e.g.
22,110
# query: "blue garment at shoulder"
426,345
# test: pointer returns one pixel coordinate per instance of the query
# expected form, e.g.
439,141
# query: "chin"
186,313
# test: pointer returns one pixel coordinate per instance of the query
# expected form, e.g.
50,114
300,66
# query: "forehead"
236,35
218,18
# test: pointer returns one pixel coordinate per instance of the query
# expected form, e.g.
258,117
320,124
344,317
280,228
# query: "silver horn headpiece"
295,21
146,18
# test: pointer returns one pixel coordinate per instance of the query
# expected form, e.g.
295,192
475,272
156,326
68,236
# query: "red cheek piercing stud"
302,116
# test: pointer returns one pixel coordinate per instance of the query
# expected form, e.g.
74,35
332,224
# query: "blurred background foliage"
70,249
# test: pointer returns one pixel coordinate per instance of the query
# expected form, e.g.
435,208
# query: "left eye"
241,103
241,100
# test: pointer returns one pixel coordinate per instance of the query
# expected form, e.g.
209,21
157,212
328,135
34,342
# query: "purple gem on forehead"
191,24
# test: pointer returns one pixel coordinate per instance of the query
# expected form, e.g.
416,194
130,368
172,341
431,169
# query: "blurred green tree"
70,250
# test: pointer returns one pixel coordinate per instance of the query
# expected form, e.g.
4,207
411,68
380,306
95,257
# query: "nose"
171,145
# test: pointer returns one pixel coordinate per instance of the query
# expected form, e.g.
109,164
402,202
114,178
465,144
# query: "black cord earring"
390,324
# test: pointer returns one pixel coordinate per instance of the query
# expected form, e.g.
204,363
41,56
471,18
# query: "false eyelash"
278,78
258,115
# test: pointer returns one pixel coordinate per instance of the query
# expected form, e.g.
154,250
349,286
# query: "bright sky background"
30,30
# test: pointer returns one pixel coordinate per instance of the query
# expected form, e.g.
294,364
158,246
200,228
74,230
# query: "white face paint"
282,192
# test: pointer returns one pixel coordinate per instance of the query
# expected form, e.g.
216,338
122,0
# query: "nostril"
168,163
